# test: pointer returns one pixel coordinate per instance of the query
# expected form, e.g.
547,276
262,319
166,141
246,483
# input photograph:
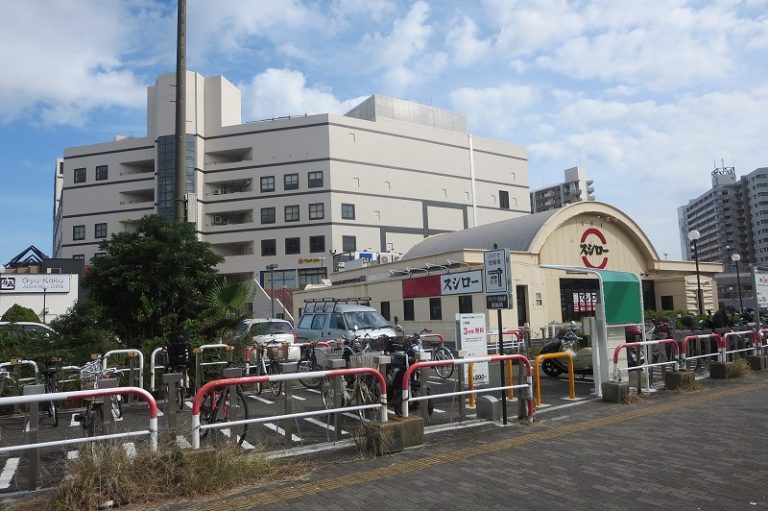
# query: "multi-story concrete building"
304,193
575,188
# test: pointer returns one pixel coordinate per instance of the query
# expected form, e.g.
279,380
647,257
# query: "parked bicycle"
357,390
92,418
221,405
438,351
52,386
269,355
309,363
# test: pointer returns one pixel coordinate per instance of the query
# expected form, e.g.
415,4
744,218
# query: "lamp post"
45,289
2,270
271,268
693,237
735,257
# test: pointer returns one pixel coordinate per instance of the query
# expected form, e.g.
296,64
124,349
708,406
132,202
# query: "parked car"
325,319
262,330
40,329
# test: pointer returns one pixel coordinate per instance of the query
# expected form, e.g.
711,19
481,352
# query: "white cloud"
496,109
466,47
71,61
279,92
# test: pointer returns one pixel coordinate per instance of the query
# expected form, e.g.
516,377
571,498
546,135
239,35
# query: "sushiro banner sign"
33,283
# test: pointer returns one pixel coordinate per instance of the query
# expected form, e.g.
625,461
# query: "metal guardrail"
537,373
135,374
616,373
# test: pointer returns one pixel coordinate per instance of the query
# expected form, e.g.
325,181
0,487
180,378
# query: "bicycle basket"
324,354
277,351
89,375
378,343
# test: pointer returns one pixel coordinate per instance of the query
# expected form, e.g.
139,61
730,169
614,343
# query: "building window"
316,211
267,215
80,175
291,182
79,256
503,199
667,303
100,231
98,255
465,304
268,247
408,314
348,211
317,244
311,276
268,184
385,310
315,179
292,245
348,243
102,172
291,213
78,232
435,309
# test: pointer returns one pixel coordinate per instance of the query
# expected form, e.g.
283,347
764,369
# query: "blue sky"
647,95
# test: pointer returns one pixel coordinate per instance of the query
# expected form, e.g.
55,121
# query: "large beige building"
305,193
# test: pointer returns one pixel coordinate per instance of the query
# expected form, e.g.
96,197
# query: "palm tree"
227,303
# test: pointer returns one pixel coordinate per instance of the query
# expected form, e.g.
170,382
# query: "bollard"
106,404
462,401
172,381
471,378
32,455
510,392
232,372
522,409
288,424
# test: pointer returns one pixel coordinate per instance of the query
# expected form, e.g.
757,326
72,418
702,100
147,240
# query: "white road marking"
294,396
182,442
159,413
261,399
73,455
73,423
316,391
438,410
322,424
8,471
277,429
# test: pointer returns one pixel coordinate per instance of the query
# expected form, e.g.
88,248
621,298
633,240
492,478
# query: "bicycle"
309,363
357,390
92,418
52,386
220,406
274,351
438,351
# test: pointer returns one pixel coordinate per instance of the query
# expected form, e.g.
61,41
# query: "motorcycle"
567,340
404,352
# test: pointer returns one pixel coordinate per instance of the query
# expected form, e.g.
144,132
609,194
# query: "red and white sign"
594,248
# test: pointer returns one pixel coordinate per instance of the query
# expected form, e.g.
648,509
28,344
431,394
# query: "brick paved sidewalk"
703,450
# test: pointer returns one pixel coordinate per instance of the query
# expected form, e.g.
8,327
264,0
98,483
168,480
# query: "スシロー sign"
593,248
461,283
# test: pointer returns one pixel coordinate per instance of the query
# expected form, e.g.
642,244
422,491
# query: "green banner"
622,296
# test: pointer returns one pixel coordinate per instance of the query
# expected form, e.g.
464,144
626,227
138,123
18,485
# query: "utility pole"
181,112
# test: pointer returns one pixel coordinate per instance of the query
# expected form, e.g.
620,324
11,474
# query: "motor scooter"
404,352
568,341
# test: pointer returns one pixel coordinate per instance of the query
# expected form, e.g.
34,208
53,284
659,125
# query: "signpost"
497,296
471,340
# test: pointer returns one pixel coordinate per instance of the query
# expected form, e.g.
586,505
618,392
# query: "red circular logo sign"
593,249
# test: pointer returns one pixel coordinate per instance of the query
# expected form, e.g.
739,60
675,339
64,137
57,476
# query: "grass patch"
372,440
154,477
739,368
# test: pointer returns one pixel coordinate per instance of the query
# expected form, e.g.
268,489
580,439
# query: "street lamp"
45,309
271,268
693,237
735,257
2,270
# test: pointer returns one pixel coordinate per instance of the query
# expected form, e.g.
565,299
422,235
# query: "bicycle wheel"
180,394
367,393
443,353
306,365
95,420
276,387
328,393
223,411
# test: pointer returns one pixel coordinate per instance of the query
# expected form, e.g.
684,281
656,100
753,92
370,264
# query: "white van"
324,319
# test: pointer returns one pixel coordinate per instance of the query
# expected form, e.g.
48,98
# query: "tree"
18,313
83,330
226,305
152,280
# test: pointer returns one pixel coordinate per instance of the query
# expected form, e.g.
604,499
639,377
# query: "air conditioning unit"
218,220
340,264
217,190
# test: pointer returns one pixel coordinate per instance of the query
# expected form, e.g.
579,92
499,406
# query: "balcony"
230,218
137,197
229,187
130,168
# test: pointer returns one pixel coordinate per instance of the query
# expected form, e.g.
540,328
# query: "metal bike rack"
699,338
17,364
153,367
753,337
135,374
616,374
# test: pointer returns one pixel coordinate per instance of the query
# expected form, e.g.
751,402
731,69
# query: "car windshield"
266,328
365,319
241,328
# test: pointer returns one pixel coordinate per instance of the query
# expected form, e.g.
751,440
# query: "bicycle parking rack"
17,364
199,364
728,336
135,374
515,344
224,382
698,339
491,358
153,367
537,373
762,337
85,394
616,373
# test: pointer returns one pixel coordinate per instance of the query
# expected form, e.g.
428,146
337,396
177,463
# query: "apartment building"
304,193
576,187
